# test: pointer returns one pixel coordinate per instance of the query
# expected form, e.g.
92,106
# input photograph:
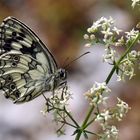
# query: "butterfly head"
60,77
61,74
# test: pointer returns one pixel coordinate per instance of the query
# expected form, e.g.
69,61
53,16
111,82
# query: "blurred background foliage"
61,25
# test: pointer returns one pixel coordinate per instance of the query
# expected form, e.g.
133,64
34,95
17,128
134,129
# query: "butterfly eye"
62,74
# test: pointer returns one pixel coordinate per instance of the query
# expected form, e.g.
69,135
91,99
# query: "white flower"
89,30
98,99
107,23
116,30
110,55
86,36
138,25
44,111
127,65
97,24
92,36
133,55
119,78
95,94
120,42
110,133
103,117
97,87
127,68
138,53
102,19
121,109
88,45
123,106
107,33
134,2
94,27
132,34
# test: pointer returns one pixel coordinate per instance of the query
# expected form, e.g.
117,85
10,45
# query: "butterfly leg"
64,90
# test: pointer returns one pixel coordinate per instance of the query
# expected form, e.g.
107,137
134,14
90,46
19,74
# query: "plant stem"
85,125
70,116
78,135
122,57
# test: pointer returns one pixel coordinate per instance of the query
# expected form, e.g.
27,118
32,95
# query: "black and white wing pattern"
25,62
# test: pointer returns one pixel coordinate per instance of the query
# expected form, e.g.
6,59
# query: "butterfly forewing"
24,61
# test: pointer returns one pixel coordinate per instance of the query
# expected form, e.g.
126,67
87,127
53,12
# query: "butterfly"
27,67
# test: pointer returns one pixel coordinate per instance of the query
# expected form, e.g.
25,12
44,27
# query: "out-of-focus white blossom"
135,2
103,117
116,30
110,133
106,33
110,55
131,35
120,42
86,36
120,110
88,45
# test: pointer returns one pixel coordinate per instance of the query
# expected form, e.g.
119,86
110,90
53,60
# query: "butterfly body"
27,68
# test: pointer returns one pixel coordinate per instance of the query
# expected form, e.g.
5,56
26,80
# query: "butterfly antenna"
66,66
66,60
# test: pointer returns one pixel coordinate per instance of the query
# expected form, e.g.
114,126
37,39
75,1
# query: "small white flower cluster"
103,27
110,55
57,103
126,67
131,35
118,112
111,39
135,2
96,97
95,94
110,133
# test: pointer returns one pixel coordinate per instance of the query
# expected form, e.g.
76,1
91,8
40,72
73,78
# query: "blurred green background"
61,25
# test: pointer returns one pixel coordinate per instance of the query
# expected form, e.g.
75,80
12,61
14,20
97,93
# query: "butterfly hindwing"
24,61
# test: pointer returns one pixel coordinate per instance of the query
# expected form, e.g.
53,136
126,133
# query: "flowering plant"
103,32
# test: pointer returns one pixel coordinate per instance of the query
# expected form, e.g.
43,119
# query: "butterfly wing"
24,61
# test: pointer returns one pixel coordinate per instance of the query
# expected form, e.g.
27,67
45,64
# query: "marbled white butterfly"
27,68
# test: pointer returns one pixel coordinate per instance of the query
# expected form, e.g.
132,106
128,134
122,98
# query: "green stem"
70,116
68,124
88,116
78,135
84,125
85,122
92,133
90,122
122,57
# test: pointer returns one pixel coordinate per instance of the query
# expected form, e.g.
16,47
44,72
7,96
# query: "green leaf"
75,132
85,135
